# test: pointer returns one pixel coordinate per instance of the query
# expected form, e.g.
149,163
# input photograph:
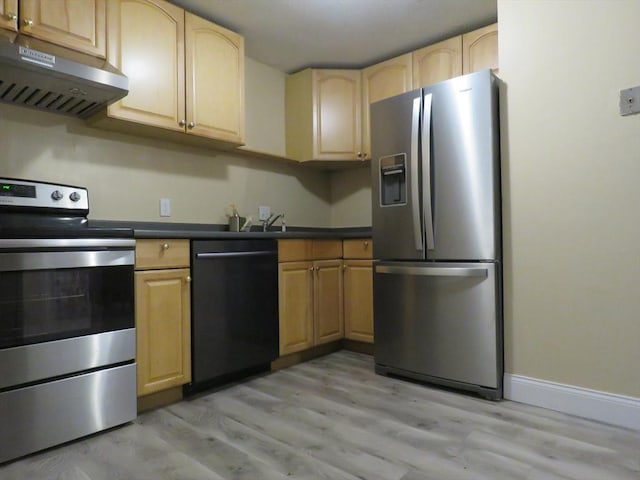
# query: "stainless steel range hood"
41,75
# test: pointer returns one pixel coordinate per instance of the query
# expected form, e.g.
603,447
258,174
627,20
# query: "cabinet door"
146,42
163,328
215,80
380,81
9,14
329,313
358,300
73,24
295,292
336,115
480,49
437,62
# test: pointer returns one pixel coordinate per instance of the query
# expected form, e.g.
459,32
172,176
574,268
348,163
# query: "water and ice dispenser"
393,180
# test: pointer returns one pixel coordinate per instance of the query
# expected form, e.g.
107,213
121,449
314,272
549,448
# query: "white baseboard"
601,406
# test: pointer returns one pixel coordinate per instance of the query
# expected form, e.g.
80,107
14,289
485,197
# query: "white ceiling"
293,34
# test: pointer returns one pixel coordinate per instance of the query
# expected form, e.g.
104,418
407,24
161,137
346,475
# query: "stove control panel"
29,194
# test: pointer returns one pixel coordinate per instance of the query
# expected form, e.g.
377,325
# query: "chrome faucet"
266,224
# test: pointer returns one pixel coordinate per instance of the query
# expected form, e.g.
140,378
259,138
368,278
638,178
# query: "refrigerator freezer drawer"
440,320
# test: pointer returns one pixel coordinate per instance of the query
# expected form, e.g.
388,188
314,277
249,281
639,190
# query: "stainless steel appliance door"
462,148
441,320
44,415
397,222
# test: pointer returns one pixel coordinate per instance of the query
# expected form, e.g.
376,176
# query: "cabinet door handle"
311,269
12,16
188,279
28,22
366,244
182,123
191,125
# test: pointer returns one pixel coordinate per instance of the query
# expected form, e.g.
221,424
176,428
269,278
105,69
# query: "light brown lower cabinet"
327,296
358,300
163,327
295,290
163,314
358,289
310,293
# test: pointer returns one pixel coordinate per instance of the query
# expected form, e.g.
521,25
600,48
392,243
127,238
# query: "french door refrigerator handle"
434,271
426,169
415,185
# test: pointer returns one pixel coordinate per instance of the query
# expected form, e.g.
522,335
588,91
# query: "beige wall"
127,175
351,197
264,100
571,167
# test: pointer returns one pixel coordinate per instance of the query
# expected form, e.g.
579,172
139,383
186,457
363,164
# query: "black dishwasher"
234,316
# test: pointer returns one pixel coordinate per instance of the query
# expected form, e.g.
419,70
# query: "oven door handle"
35,243
17,261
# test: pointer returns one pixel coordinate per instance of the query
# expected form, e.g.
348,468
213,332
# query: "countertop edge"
198,231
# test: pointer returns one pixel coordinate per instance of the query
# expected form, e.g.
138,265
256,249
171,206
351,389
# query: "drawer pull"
188,278
165,246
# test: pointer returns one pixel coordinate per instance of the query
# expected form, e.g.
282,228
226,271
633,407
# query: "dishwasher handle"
250,253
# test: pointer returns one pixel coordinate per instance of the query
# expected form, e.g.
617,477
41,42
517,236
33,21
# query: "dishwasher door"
234,308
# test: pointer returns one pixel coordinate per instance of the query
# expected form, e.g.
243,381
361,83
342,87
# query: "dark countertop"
216,231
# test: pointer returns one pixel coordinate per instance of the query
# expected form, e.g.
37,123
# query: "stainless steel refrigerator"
437,235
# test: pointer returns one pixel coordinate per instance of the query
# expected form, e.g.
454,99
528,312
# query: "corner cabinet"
323,115
358,290
383,80
437,62
186,74
77,25
310,293
480,49
163,314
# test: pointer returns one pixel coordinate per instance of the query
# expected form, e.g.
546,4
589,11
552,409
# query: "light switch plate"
630,101
165,207
264,213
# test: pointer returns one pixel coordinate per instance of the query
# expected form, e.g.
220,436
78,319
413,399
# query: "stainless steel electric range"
67,328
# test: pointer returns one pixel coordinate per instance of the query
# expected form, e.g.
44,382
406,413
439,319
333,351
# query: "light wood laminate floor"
334,418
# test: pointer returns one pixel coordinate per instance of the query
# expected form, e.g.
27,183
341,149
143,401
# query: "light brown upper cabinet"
149,43
9,14
480,49
437,62
215,81
323,115
79,25
383,80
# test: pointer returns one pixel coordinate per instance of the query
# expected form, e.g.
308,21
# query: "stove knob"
56,195
74,197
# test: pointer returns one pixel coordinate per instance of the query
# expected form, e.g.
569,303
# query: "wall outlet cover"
630,101
165,207
264,212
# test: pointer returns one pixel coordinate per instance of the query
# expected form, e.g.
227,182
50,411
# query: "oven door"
66,306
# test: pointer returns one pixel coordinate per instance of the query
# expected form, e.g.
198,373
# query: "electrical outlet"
165,207
264,213
630,101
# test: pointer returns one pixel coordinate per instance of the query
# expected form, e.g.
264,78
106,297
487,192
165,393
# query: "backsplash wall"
128,175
